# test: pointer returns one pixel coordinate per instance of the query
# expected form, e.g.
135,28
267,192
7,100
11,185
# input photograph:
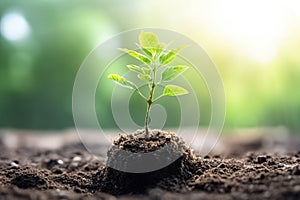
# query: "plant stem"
139,92
157,98
149,102
147,119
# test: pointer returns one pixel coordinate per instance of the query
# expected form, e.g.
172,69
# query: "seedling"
155,58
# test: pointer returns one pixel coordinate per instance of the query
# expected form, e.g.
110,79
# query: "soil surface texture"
71,172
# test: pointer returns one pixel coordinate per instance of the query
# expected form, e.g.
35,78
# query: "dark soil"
173,176
72,173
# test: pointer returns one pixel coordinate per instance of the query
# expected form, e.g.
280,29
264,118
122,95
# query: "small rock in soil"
76,159
14,164
56,171
222,165
261,159
51,163
296,170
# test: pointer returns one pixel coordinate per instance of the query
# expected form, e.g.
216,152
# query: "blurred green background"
255,44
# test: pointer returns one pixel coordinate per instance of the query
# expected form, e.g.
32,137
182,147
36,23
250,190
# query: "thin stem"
140,93
157,98
147,119
149,102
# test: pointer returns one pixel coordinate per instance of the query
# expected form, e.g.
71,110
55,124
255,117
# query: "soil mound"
137,163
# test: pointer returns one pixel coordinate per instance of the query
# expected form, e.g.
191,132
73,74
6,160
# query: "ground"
247,170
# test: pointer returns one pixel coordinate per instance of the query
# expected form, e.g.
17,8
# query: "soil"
170,168
71,172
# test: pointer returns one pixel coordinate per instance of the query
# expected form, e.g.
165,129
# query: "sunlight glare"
263,53
14,26
256,25
294,6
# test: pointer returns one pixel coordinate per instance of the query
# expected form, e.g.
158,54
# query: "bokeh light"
14,26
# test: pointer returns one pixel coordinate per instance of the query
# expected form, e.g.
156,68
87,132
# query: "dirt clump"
137,163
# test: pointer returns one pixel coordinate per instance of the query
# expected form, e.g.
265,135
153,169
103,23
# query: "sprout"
155,58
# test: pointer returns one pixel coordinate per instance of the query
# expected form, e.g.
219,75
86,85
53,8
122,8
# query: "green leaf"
147,52
174,90
137,55
145,77
135,68
170,56
122,81
146,70
150,44
159,49
148,40
172,72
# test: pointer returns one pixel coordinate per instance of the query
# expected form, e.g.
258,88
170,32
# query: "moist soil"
71,172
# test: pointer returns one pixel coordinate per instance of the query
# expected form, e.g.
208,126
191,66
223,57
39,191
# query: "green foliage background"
37,73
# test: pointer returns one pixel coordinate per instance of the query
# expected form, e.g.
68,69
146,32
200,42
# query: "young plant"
155,58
